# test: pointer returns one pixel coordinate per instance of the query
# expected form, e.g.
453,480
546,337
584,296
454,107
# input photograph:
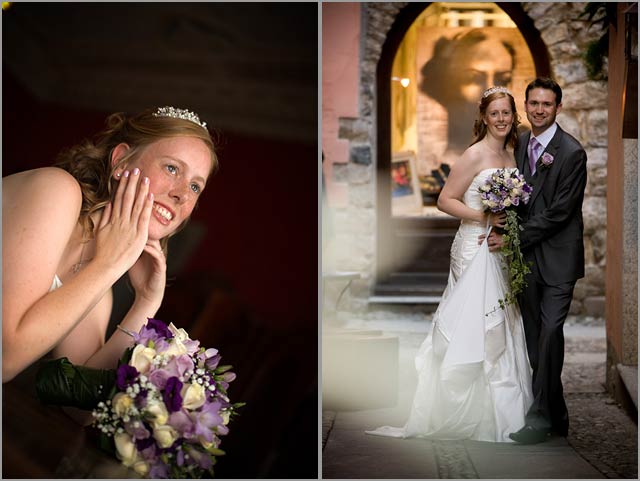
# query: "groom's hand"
495,241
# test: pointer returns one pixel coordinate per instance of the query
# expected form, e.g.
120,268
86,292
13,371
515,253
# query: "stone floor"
602,440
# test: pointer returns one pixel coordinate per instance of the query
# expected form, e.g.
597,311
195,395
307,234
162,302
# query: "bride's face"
499,118
178,168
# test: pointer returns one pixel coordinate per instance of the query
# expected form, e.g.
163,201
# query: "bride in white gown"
474,377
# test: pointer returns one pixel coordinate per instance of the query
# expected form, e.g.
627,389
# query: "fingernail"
145,180
126,173
136,171
150,195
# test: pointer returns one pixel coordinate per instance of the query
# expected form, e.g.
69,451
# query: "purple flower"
125,376
159,470
198,457
547,159
144,443
154,330
159,378
160,327
171,395
182,422
207,419
137,430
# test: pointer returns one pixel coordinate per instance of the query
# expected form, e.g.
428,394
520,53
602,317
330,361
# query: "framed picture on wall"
406,198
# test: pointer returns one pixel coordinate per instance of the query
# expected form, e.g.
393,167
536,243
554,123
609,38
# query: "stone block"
585,95
568,71
538,11
354,129
576,308
594,212
597,180
585,289
596,156
568,120
594,306
599,245
561,53
595,276
597,128
555,33
358,174
361,196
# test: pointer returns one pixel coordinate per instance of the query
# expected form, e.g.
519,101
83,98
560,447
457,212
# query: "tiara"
183,114
493,90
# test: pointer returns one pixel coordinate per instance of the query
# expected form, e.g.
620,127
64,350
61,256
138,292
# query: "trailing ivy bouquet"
504,191
164,409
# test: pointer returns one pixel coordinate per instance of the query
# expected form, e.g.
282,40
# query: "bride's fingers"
130,194
145,214
117,198
106,216
141,199
157,255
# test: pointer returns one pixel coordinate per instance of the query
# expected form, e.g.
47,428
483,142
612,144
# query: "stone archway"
422,276
563,35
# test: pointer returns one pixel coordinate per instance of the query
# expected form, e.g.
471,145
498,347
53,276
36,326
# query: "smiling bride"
69,232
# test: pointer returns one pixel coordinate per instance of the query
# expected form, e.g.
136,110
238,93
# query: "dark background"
243,275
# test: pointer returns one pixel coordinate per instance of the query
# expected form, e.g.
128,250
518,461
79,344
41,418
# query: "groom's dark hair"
545,83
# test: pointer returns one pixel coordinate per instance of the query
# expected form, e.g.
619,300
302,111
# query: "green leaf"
61,383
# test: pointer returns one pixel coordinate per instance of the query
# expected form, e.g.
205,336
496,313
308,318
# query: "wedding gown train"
474,377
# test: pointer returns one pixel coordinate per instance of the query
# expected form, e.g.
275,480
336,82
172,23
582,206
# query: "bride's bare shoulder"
47,189
45,179
471,159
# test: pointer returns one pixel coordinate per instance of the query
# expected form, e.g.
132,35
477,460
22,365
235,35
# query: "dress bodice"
465,244
472,197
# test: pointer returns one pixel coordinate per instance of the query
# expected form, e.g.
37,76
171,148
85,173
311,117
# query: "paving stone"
602,440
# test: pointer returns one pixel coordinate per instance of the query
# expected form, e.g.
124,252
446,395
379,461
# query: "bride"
474,379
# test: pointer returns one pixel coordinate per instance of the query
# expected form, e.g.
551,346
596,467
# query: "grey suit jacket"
552,220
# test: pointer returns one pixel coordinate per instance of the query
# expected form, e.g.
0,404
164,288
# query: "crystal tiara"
493,90
183,114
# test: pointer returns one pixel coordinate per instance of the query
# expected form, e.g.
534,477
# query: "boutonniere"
546,159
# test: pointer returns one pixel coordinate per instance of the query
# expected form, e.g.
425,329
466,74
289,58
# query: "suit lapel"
543,170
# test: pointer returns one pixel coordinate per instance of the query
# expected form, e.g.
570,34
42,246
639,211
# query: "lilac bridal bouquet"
163,411
504,190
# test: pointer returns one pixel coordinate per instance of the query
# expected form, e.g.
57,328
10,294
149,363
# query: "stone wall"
584,115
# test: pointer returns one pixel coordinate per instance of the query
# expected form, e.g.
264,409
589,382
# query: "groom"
555,164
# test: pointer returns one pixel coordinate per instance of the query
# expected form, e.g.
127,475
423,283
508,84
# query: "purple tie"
534,153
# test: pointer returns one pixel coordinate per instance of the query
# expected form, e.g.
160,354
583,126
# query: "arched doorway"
434,56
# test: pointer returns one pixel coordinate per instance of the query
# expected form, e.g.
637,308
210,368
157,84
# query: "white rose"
127,451
165,435
176,348
507,202
180,334
193,395
121,403
141,467
158,410
141,358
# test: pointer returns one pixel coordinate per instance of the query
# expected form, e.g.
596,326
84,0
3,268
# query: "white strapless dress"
474,376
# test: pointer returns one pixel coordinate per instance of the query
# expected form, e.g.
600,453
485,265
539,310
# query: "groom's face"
541,109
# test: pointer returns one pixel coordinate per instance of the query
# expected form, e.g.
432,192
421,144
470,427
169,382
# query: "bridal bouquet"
504,190
166,407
